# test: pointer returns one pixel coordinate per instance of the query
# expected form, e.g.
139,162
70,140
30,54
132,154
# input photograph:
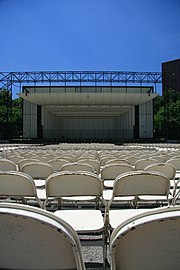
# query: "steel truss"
8,79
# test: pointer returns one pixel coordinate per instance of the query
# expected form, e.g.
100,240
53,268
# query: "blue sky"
123,35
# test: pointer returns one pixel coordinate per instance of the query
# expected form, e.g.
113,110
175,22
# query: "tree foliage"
10,115
167,115
172,114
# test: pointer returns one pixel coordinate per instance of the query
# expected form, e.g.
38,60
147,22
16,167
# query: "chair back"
142,163
117,161
175,162
168,169
35,239
92,162
37,170
16,159
25,161
147,241
110,172
57,164
132,159
7,165
77,167
73,184
17,185
141,183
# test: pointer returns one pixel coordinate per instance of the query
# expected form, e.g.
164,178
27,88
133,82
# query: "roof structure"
65,78
91,101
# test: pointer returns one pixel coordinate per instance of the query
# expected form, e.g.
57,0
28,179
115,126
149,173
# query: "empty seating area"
96,200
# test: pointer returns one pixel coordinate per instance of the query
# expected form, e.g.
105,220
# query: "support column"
136,126
39,123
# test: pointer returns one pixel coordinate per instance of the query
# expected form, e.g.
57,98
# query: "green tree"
159,116
172,114
5,113
167,115
10,115
17,117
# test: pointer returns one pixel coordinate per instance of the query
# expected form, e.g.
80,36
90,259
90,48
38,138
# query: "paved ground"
93,258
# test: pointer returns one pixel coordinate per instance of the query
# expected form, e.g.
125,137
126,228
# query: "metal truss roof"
8,79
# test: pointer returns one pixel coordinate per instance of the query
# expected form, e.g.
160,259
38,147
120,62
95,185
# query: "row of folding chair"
103,156
148,240
40,171
63,187
100,219
105,160
116,152
83,182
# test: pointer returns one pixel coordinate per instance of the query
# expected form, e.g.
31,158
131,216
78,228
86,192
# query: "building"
171,81
88,113
171,75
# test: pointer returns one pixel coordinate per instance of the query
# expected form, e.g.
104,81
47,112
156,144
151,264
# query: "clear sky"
59,35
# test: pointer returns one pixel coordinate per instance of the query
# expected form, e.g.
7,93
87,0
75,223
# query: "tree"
167,115
10,115
172,114
5,112
159,116
17,117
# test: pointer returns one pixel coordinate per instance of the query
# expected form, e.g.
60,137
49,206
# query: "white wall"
125,123
29,120
146,120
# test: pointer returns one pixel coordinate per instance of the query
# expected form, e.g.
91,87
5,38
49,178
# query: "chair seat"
177,176
41,193
108,183
83,220
87,222
117,217
79,198
172,183
39,182
154,198
107,195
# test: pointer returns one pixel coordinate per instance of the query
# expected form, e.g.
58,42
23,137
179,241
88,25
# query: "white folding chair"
117,161
7,165
15,159
80,186
18,186
132,159
142,163
75,166
138,186
147,241
176,163
76,186
92,162
57,164
24,161
35,239
111,171
39,171
168,169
